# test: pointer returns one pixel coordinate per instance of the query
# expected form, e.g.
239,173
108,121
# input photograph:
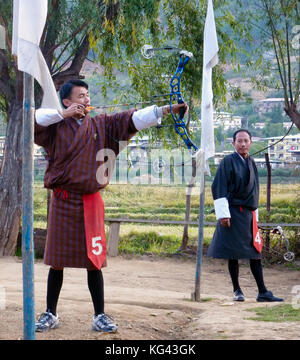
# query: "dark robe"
237,180
72,167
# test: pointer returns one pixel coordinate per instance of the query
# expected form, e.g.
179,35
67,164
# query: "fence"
114,228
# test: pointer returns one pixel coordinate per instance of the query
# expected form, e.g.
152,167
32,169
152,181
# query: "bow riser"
175,93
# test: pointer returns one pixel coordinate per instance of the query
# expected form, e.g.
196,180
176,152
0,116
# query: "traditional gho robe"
235,192
72,150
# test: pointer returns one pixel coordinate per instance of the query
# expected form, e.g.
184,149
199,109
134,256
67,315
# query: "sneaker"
267,297
238,296
46,321
103,323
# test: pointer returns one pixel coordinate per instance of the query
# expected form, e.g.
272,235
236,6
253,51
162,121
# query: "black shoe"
238,296
267,297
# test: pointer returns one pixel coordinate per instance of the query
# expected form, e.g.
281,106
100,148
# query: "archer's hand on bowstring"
176,108
75,110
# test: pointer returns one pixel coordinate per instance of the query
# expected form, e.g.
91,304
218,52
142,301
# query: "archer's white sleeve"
46,117
222,208
147,117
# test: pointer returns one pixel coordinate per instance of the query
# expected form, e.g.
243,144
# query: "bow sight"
148,51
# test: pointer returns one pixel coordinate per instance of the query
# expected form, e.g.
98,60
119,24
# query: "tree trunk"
11,183
293,114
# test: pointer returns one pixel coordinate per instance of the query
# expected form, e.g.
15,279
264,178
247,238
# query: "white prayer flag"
29,17
210,59
2,37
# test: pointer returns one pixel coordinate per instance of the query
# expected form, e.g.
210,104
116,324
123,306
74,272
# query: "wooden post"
268,202
113,240
268,182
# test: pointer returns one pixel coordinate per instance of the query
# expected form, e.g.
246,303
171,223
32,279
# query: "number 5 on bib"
94,229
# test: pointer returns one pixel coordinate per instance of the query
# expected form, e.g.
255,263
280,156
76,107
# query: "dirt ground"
150,298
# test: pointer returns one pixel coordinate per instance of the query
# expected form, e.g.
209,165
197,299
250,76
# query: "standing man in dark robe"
235,192
76,233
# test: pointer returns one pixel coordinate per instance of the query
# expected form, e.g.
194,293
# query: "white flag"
210,59
2,37
29,19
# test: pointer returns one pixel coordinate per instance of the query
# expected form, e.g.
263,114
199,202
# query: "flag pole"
210,59
196,294
27,210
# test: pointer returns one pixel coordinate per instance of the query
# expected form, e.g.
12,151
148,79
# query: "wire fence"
148,166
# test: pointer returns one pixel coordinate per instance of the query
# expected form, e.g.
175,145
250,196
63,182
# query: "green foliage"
168,203
271,54
176,23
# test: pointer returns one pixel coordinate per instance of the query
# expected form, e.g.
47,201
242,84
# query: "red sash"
257,239
94,228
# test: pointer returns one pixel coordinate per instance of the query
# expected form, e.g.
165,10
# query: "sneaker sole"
94,328
268,300
47,329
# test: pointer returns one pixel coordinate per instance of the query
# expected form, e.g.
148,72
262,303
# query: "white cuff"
147,117
256,214
222,208
46,117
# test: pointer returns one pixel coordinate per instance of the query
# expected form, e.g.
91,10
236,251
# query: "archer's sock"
256,269
96,287
233,267
55,280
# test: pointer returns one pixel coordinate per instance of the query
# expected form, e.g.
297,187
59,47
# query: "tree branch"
287,52
77,31
282,72
74,70
293,114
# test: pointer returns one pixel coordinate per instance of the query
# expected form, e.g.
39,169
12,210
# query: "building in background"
268,105
227,121
285,150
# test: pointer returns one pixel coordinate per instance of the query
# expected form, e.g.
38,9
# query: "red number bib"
257,239
94,228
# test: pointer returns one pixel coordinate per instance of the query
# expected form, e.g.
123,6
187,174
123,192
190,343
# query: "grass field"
168,203
279,313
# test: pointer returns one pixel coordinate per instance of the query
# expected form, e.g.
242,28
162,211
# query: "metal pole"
27,210
196,294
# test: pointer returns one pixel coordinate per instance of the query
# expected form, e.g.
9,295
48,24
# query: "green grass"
154,202
149,242
278,313
168,203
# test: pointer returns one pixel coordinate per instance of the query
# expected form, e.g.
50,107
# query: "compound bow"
175,93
